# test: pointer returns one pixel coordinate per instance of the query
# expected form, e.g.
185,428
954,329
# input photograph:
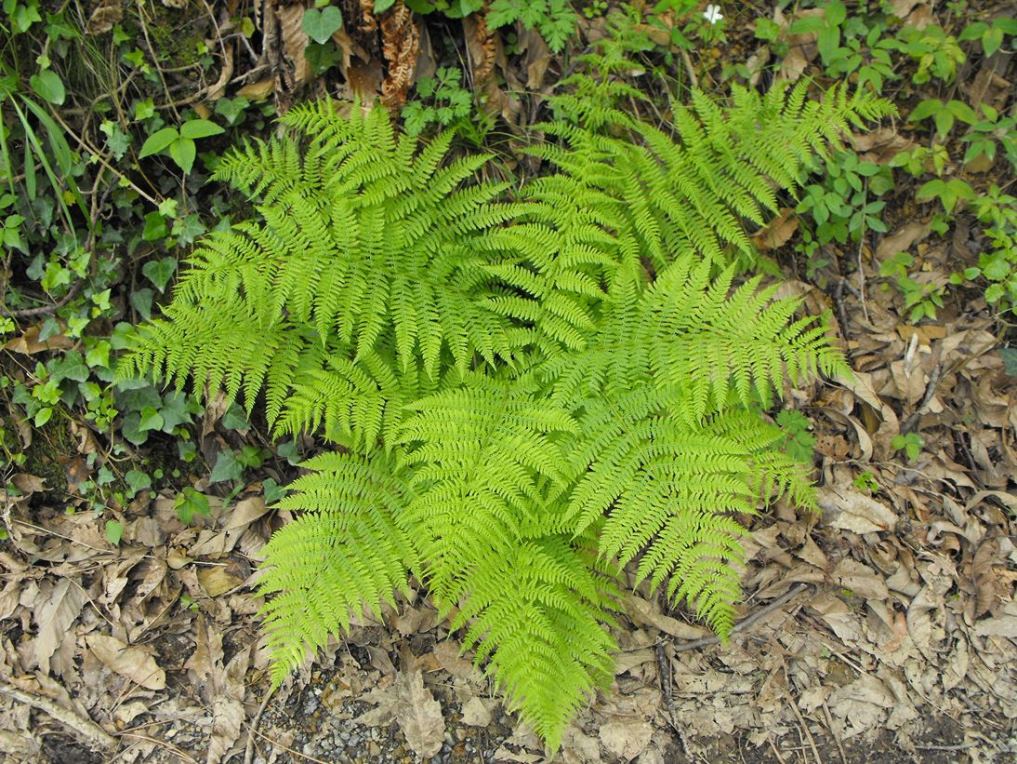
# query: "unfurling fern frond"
529,392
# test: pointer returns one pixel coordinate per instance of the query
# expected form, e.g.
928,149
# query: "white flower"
712,13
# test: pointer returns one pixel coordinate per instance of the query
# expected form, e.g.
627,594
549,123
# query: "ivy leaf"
151,419
159,272
226,468
137,481
114,532
155,227
49,86
380,6
190,503
320,25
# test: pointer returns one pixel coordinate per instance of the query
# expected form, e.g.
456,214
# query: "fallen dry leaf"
476,713
420,716
227,719
902,239
778,232
626,739
54,617
134,663
852,510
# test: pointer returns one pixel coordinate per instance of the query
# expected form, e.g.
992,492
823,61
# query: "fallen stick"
88,730
746,622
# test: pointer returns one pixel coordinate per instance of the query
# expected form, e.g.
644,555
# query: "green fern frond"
693,187
529,390
480,458
346,551
537,614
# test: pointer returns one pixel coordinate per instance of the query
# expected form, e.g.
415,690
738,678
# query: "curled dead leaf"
851,510
778,232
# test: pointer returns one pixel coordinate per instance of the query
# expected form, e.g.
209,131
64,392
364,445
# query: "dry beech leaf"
420,716
626,740
257,91
28,343
902,239
1004,625
54,617
227,719
246,512
778,232
105,16
134,663
215,580
851,510
476,713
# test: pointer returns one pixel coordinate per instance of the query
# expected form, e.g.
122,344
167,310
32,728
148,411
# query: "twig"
746,622
80,140
667,692
155,56
801,722
91,732
688,68
253,727
162,744
930,392
833,732
44,310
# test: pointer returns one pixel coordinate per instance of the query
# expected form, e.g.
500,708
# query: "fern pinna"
528,389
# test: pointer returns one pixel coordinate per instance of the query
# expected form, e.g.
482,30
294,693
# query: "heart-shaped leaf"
320,25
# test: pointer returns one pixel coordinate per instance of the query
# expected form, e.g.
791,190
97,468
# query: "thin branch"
742,625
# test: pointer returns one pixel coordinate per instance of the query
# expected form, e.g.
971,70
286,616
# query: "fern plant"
529,389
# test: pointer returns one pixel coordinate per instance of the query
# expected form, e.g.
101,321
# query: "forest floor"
883,629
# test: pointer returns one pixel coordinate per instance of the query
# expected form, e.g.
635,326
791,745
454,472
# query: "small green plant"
454,9
949,192
441,101
555,20
990,34
997,262
921,299
799,442
990,131
943,113
937,53
179,144
910,443
866,482
841,206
